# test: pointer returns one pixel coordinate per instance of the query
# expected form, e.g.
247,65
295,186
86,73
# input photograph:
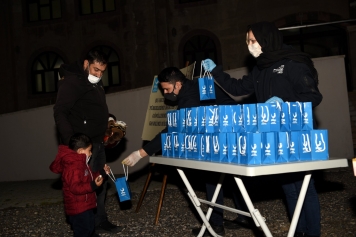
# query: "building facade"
144,36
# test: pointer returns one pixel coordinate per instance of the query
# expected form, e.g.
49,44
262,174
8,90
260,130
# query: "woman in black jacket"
281,74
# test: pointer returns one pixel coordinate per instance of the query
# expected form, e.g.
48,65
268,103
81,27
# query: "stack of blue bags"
249,134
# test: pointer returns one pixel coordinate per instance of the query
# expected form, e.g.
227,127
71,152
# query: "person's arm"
149,149
235,87
66,97
304,86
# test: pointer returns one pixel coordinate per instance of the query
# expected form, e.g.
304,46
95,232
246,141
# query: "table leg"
197,204
160,201
148,179
254,212
213,200
299,205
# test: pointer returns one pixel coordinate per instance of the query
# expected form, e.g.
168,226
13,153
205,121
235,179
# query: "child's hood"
65,158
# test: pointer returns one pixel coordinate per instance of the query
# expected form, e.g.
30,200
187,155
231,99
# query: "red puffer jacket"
78,192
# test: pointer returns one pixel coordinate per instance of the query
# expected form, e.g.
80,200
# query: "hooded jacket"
80,105
281,71
78,180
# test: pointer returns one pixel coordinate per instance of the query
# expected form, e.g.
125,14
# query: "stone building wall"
148,35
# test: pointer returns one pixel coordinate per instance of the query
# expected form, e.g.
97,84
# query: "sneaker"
218,230
237,224
107,227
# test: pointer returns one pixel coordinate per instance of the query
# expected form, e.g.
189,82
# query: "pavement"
35,208
39,192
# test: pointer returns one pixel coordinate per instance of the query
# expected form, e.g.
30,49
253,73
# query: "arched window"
44,73
198,48
111,76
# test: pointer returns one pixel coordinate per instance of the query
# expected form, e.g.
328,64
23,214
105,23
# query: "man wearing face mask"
281,74
176,88
81,108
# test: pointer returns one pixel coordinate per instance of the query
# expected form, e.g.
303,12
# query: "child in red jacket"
79,183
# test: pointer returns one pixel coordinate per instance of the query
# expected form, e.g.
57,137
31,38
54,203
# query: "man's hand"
107,169
208,65
274,99
132,159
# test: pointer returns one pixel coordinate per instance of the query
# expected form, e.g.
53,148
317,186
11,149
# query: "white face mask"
93,79
255,49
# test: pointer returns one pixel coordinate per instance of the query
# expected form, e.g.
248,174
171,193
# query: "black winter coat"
289,80
189,97
80,105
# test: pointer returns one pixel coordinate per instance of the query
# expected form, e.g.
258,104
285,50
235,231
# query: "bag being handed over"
206,85
122,185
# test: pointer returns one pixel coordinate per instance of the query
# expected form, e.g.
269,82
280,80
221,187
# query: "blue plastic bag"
225,118
269,142
206,85
166,143
212,119
283,147
307,122
320,144
122,185
250,117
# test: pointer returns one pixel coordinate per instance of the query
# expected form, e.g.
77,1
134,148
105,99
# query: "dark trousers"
309,220
83,224
97,162
217,216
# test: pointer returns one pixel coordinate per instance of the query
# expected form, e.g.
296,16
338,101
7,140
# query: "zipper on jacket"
92,178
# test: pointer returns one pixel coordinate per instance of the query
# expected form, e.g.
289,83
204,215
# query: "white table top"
251,170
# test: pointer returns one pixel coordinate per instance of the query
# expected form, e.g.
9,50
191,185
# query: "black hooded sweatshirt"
280,71
80,105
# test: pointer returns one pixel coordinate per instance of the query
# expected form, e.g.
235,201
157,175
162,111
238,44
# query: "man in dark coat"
81,108
177,88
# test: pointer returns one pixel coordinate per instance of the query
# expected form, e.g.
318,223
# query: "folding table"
243,170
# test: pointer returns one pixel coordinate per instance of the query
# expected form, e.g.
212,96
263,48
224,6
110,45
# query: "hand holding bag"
206,85
122,186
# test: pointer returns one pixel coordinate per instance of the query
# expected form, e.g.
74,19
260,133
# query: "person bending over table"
281,74
177,88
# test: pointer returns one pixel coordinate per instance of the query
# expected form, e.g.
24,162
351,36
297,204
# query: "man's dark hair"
96,55
171,75
79,140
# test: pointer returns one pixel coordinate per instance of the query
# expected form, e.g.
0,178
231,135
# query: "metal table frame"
241,170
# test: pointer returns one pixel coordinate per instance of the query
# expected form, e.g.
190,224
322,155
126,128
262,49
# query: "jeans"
309,220
97,162
82,224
